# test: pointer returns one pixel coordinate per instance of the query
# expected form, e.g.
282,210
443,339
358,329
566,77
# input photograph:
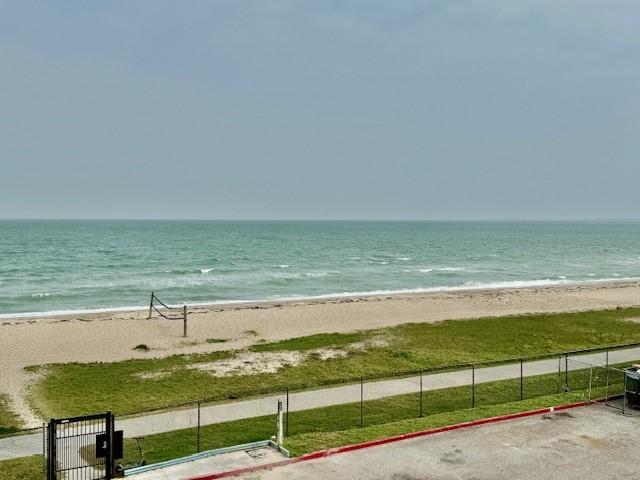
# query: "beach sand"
112,336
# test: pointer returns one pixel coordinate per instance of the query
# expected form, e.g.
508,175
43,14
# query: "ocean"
85,266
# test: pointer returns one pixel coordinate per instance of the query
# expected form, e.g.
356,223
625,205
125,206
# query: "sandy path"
111,337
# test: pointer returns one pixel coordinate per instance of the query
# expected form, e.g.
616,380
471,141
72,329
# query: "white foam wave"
456,288
316,274
442,270
206,270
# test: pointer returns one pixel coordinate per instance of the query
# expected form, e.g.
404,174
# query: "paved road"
19,446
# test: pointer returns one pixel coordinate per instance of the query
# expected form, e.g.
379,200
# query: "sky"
433,109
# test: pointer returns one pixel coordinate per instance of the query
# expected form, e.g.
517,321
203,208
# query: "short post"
473,386
361,402
279,435
421,411
198,438
150,306
184,321
559,374
286,423
521,381
566,372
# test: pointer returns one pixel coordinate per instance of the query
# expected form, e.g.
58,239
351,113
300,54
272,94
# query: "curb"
397,438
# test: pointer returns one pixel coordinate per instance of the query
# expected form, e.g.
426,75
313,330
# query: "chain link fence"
181,430
23,454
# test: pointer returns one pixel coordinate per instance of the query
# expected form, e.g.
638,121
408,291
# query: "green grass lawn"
136,385
26,468
328,427
9,421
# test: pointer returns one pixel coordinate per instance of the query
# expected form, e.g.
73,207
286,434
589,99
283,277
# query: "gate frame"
108,417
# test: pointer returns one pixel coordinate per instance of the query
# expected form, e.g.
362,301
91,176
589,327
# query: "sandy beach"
112,336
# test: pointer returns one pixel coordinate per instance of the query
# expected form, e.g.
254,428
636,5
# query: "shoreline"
222,305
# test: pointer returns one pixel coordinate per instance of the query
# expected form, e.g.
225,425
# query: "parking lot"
595,442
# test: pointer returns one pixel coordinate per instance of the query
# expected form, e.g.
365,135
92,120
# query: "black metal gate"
81,448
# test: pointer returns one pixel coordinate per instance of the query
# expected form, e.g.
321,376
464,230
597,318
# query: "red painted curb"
397,438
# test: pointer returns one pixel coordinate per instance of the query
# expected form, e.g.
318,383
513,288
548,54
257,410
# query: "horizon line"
505,220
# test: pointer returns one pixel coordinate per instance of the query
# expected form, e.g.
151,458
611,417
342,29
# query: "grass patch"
322,340
328,427
26,468
129,386
9,421
216,340
314,441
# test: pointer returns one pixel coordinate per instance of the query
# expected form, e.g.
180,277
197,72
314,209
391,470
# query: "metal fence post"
44,449
566,372
624,394
521,381
361,401
51,450
421,411
286,421
109,463
559,374
606,388
198,438
473,386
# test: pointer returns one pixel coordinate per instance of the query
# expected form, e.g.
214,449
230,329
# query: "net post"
184,321
150,306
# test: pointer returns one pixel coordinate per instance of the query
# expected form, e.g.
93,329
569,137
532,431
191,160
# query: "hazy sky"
435,109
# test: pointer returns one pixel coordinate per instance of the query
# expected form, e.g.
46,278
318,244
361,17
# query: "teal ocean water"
63,266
